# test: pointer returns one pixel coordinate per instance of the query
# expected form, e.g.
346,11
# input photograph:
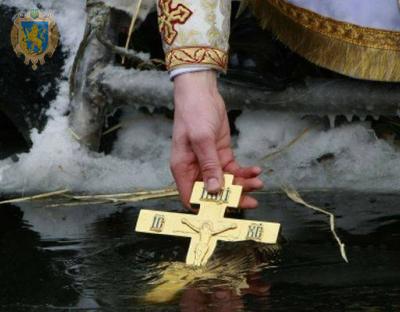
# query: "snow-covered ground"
141,153
360,160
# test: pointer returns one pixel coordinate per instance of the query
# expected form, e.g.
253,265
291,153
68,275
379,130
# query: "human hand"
201,143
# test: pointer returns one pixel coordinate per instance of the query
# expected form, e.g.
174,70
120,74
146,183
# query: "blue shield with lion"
35,36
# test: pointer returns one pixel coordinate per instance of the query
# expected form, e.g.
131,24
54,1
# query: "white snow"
57,161
141,153
361,161
129,6
120,81
45,89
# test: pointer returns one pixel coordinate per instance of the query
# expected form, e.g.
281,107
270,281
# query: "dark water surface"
88,258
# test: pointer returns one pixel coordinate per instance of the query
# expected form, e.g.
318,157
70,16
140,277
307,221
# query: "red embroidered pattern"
169,17
197,55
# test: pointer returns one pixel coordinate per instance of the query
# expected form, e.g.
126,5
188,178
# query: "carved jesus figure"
206,232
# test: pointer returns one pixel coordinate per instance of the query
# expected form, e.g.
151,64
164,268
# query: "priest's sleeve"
195,34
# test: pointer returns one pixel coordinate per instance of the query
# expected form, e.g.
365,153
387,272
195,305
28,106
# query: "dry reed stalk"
118,126
127,196
34,197
295,196
112,129
132,27
74,134
152,196
290,144
99,199
76,204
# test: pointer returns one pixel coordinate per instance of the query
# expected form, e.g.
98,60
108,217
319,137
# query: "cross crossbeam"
209,226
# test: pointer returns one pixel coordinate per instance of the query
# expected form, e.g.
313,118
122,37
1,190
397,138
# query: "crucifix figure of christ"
209,225
206,244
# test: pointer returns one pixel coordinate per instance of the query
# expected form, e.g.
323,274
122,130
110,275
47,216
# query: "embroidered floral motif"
169,17
188,37
197,55
225,9
213,32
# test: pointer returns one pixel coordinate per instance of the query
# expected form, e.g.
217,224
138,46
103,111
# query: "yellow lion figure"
33,37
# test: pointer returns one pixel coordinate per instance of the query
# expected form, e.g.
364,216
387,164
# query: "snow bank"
358,160
349,156
57,161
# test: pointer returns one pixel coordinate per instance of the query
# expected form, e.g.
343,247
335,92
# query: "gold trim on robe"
349,49
212,57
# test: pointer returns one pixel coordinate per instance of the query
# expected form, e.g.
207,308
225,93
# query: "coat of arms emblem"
34,35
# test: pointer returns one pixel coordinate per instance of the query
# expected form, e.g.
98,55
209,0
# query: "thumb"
206,152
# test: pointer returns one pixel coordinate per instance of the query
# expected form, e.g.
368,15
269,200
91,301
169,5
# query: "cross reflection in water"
93,260
228,272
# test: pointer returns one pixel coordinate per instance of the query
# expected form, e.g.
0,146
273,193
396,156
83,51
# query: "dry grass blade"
119,126
76,204
101,196
136,196
40,196
132,27
292,142
165,194
118,198
243,6
295,196
74,134
98,199
112,129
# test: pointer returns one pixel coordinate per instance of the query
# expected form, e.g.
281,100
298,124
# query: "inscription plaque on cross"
209,226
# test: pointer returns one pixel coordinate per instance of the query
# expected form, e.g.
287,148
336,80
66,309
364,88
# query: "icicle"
243,6
349,117
332,119
363,117
376,117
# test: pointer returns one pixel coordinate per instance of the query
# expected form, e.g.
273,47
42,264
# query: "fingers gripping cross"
209,225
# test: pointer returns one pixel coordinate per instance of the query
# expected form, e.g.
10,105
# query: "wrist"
186,70
193,82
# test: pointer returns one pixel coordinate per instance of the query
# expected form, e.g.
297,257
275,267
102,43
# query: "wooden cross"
209,225
169,17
